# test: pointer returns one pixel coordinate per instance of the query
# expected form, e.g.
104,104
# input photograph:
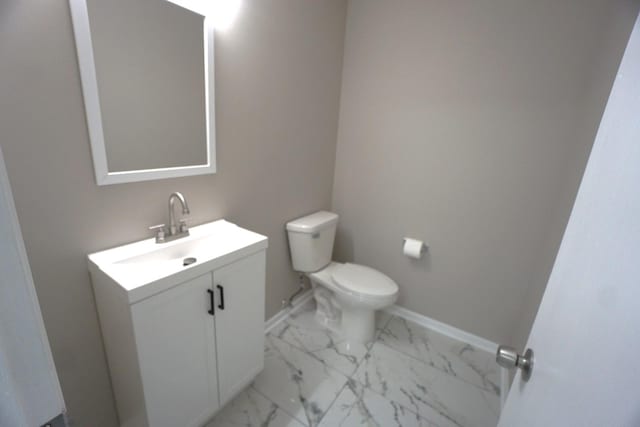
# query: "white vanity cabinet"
176,343
239,324
181,346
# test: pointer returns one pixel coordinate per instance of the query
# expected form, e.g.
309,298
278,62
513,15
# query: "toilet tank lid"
313,223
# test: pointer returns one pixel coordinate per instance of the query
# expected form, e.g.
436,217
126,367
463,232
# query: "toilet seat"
362,280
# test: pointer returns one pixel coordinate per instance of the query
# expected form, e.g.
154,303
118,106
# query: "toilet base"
355,324
358,324
351,316
328,312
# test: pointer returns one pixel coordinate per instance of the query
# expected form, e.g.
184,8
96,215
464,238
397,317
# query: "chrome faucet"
175,231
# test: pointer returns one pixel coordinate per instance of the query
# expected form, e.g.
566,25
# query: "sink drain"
188,261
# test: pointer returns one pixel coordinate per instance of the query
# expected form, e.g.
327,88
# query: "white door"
30,393
239,323
586,337
176,349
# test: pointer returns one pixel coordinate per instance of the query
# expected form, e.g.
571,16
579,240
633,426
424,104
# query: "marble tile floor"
409,376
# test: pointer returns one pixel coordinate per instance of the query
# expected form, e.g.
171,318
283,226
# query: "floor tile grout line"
379,394
326,365
394,401
312,356
278,406
297,346
422,416
351,377
355,373
434,366
341,339
436,332
422,362
391,316
333,401
451,338
348,377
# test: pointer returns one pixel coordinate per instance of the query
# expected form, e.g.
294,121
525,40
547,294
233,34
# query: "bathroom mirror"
147,70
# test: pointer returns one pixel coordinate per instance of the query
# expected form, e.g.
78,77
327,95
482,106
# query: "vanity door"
239,319
175,340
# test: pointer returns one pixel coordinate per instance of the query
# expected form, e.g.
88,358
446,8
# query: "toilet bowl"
358,292
347,295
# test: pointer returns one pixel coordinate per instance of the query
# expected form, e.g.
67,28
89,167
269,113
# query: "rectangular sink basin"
144,268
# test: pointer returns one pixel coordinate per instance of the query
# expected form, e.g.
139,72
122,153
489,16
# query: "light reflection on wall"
221,12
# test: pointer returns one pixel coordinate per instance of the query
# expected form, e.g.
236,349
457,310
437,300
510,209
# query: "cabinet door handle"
211,310
221,289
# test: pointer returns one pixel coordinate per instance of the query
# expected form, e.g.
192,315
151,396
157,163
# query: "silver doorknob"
508,357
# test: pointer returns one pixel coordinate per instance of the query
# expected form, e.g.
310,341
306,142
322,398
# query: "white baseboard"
280,316
443,328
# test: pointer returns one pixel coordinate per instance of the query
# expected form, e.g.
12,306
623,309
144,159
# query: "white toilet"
347,295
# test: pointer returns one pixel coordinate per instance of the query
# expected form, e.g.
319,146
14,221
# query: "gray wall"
615,26
277,80
466,124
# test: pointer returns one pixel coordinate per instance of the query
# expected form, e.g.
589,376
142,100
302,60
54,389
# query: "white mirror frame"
84,47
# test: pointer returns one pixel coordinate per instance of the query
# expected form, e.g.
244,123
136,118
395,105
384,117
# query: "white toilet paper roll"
413,248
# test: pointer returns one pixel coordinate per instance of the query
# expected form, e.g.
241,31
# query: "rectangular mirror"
147,78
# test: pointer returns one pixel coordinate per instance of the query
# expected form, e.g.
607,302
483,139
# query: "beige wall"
616,22
465,124
277,80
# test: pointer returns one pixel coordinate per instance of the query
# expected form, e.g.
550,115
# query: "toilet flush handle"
315,235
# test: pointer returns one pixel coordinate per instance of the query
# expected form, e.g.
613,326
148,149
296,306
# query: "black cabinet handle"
221,305
211,310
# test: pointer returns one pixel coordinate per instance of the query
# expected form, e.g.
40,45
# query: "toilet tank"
311,240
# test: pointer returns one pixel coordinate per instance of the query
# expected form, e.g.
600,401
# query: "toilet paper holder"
424,249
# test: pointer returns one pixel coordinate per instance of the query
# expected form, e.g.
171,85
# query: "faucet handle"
183,226
160,234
